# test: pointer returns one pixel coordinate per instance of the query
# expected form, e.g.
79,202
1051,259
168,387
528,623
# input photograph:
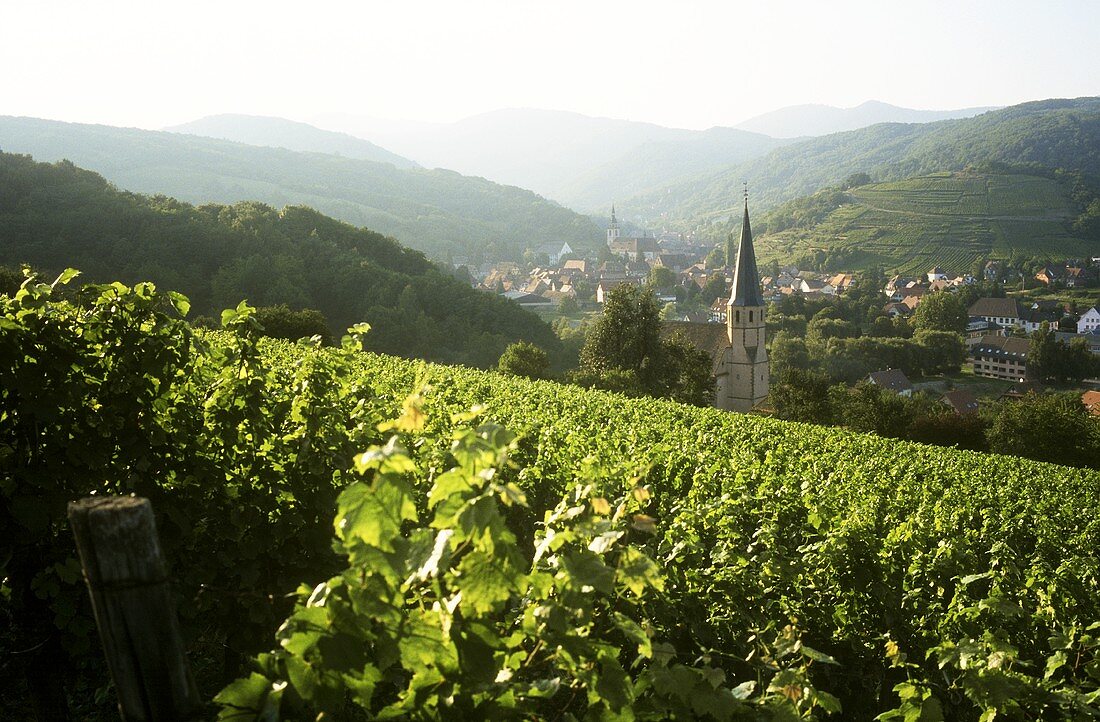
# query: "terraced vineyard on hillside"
945,219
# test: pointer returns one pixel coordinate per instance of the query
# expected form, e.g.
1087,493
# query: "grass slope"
435,211
946,219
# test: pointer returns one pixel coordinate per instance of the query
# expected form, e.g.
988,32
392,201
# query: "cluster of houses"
996,353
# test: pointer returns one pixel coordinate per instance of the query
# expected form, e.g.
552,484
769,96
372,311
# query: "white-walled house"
1089,321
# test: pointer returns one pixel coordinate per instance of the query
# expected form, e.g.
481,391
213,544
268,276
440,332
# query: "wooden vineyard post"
128,582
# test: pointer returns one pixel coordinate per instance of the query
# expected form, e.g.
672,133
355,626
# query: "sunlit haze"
688,64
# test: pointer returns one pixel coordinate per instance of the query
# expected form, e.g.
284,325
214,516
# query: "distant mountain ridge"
283,133
581,161
438,212
814,120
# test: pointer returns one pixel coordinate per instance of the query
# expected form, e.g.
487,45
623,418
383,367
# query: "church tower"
743,374
613,229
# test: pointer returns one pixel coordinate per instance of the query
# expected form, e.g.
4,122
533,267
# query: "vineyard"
512,549
950,220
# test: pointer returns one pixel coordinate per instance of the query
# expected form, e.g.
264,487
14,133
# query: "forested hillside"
946,219
1049,134
58,216
439,212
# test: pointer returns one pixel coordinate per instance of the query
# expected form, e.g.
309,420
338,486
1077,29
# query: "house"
842,281
1000,357
937,274
605,285
717,313
961,401
977,327
1020,389
554,251
634,248
810,285
893,310
910,296
992,270
1078,277
1048,275
1005,312
579,266
1089,321
528,300
1091,400
892,380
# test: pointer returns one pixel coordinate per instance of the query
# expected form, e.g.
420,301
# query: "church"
740,358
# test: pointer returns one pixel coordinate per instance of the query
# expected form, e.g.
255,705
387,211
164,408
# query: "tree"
524,359
940,351
731,250
855,180
870,408
661,277
802,395
787,352
626,336
624,351
689,373
10,280
940,311
1049,427
280,322
715,288
1049,359
568,306
1043,360
716,258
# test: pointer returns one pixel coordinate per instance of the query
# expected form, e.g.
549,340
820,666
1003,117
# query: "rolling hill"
945,219
811,120
282,133
54,216
438,212
1047,134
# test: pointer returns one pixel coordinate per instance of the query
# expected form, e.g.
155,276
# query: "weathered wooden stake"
128,582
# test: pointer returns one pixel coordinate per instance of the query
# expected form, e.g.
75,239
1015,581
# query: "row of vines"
361,536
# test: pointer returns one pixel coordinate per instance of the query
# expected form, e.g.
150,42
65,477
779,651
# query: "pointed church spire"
613,221
746,279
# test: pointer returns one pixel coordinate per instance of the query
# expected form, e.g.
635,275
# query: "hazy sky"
676,62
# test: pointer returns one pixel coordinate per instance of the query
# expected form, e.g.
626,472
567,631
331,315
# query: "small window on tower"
737,315
750,316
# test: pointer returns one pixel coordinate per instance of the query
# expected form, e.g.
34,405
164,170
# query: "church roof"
710,338
746,280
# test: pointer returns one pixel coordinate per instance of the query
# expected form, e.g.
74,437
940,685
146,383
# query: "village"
692,283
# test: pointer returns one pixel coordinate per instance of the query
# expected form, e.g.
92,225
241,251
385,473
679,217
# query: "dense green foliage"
758,568
280,322
524,359
56,216
437,211
624,351
109,392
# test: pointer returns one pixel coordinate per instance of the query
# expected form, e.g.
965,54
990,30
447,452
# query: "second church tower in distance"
742,375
